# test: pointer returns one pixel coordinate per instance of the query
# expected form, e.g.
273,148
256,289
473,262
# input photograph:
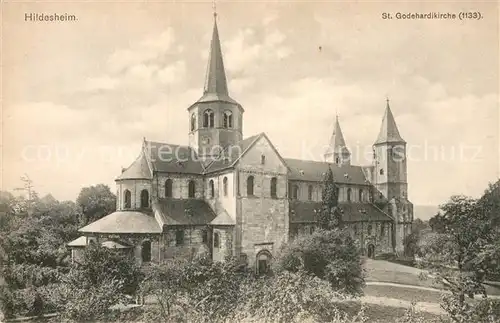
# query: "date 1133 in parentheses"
475,15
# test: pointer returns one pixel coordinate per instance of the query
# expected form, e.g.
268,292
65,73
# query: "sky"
78,97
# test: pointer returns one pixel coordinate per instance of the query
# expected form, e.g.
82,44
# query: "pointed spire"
388,130
215,82
337,146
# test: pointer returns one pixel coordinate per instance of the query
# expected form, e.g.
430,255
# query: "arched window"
216,240
224,186
204,236
355,229
179,237
228,119
369,229
310,193
146,251
311,230
250,186
360,195
274,184
144,199
128,199
381,171
191,189
212,189
168,188
349,191
295,192
382,229
262,159
208,119
337,160
193,122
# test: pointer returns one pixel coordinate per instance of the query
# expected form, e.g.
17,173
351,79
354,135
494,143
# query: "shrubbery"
329,255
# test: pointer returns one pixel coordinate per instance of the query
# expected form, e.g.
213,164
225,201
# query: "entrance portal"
371,251
263,262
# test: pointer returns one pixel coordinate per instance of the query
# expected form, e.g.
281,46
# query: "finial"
214,8
387,100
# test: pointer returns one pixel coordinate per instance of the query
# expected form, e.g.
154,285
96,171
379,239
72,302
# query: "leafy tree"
462,251
101,279
96,202
329,217
330,255
199,290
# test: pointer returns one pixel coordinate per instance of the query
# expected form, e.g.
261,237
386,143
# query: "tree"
96,202
329,255
329,217
462,250
101,279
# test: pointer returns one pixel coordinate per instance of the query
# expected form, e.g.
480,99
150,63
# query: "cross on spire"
214,8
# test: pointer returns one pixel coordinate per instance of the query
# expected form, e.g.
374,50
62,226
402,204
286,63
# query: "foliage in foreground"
329,255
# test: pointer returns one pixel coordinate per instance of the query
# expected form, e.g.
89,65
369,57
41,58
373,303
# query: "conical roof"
337,141
388,130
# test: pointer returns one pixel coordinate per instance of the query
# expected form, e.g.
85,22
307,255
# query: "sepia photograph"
217,161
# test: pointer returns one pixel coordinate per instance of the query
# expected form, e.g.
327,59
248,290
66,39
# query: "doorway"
371,251
263,262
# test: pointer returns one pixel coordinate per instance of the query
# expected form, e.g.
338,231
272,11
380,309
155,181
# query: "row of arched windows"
369,229
209,119
211,187
169,188
295,193
127,199
273,183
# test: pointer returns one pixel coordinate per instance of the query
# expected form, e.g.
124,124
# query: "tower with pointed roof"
337,151
390,176
215,119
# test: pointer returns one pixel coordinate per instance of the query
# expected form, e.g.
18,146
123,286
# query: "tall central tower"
215,120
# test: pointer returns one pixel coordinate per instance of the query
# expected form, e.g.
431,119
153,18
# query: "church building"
229,195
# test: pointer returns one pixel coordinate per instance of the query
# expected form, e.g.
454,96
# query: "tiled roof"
170,158
138,170
124,222
303,212
232,153
309,170
182,211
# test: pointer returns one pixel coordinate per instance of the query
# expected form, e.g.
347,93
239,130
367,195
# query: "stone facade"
242,207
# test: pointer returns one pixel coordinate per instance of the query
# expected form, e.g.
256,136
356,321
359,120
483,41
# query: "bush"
7,306
291,297
329,255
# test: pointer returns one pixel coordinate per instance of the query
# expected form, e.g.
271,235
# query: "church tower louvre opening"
215,119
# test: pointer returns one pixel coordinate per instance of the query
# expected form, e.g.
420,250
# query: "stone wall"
180,185
193,242
225,243
135,187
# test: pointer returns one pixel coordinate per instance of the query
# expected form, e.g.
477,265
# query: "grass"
403,293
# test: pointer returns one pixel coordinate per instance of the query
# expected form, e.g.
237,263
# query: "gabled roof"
124,222
171,158
388,130
303,212
309,170
223,219
182,211
139,169
78,242
232,154
337,142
